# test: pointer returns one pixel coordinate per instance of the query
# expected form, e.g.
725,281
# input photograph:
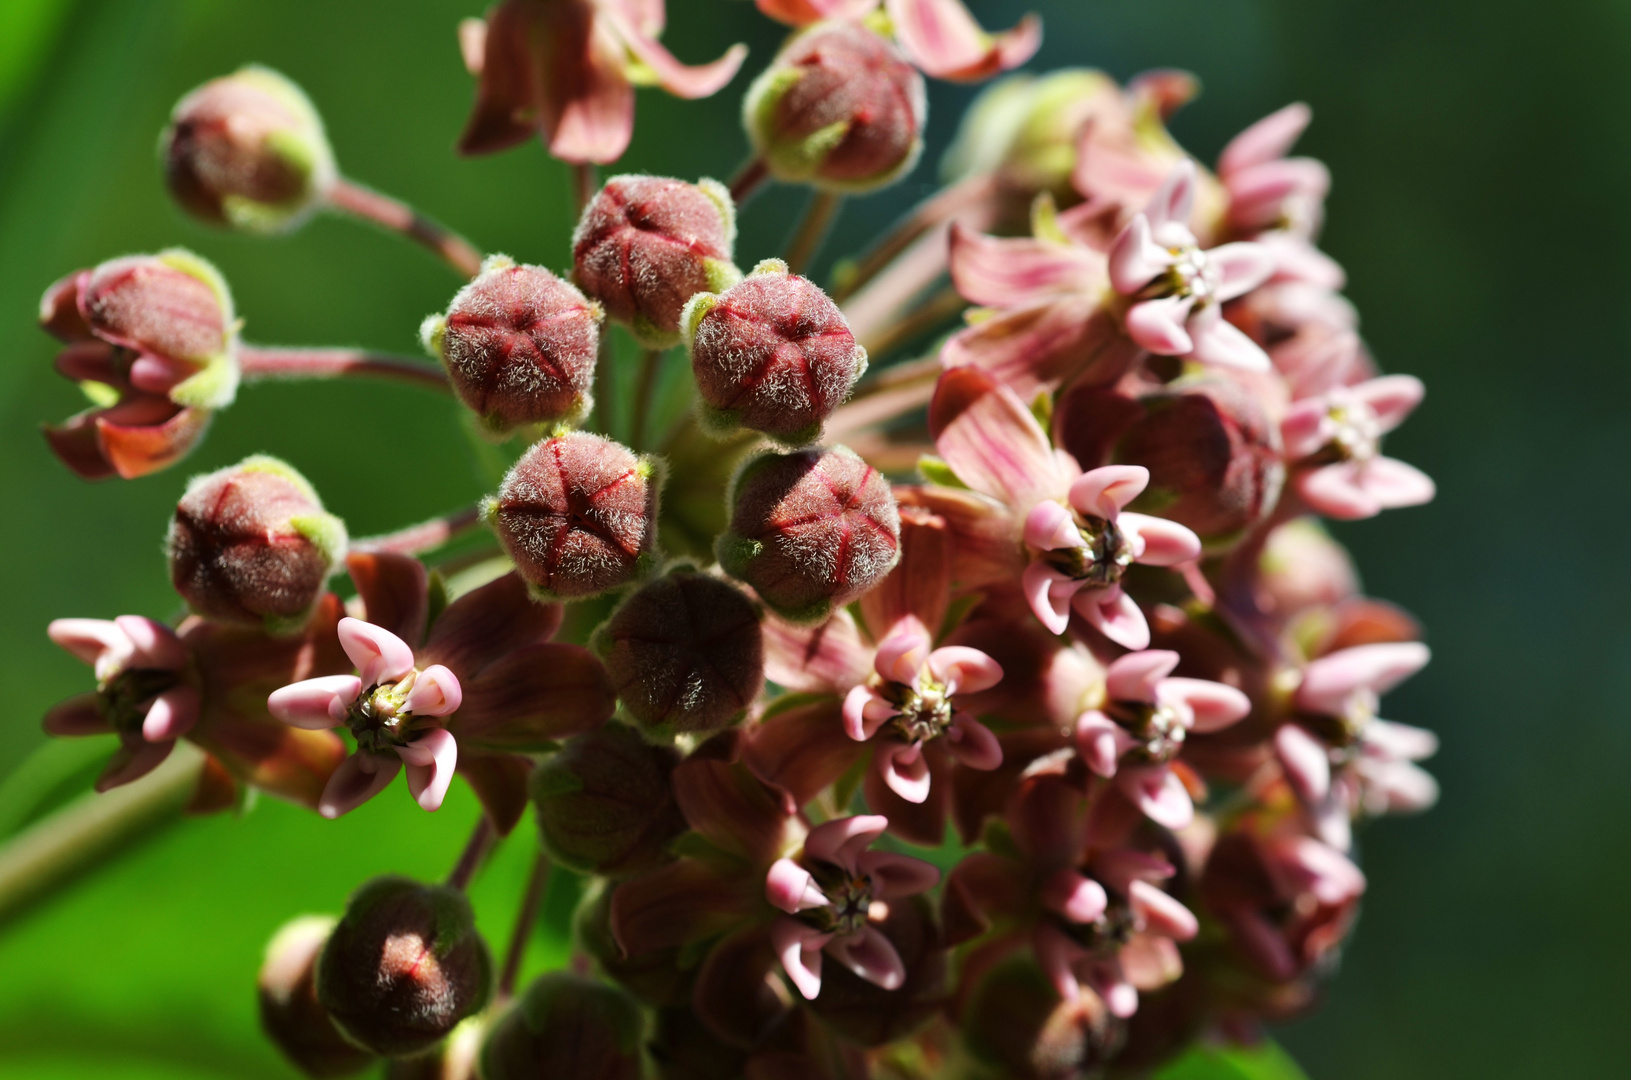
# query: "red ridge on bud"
290,1014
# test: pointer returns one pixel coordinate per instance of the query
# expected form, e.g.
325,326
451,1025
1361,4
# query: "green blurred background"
1481,152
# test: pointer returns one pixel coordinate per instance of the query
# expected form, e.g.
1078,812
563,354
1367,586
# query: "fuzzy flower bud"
248,151
252,544
289,1010
839,108
566,1026
773,354
578,515
685,653
646,244
810,531
605,804
403,966
519,345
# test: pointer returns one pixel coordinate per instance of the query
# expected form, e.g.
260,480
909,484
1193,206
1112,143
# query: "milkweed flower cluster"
1014,716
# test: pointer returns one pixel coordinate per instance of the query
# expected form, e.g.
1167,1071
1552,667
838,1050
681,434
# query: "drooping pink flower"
831,892
1074,534
1178,289
1336,440
1146,717
567,68
940,37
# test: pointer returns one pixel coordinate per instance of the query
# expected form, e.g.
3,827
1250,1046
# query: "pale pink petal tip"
172,714
1104,491
963,670
798,947
905,771
903,651
1161,912
1079,899
317,704
359,778
1270,138
155,645
87,639
1050,527
1165,543
1329,682
431,760
790,887
1134,677
1049,594
1115,615
435,692
1306,762
1160,794
841,840
380,655
870,955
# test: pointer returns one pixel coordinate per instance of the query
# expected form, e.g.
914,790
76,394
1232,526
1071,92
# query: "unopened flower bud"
773,354
604,802
289,1010
519,345
566,1025
810,531
646,244
248,150
684,652
578,515
403,966
252,544
839,108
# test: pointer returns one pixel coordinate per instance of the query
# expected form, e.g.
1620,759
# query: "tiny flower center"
849,899
1193,274
924,709
1100,560
1159,728
123,695
1109,932
379,719
1355,433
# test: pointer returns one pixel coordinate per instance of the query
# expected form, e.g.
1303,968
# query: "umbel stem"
426,536
537,881
398,217
481,840
259,363
818,218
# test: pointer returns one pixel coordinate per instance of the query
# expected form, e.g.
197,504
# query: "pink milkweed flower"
1178,289
831,893
1142,726
939,37
1335,439
567,69
1073,531
1340,758
912,701
1268,191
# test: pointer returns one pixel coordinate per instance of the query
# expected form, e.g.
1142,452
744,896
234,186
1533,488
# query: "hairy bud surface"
290,1014
604,802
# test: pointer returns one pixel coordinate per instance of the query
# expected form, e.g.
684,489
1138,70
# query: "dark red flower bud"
647,244
811,530
519,344
839,108
578,515
403,966
564,1026
289,1011
247,150
654,976
773,354
684,652
605,804
252,544
1015,1020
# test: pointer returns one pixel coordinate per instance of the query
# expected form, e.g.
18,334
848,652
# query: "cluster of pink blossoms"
1062,590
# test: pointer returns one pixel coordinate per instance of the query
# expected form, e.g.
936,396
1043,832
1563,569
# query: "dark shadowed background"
1481,152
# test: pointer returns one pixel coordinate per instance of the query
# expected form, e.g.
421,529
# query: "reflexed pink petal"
1400,741
972,743
1335,491
903,651
1079,899
1214,705
842,840
1399,788
790,887
317,704
1166,543
1307,762
1391,397
1158,325
172,714
1120,996
1393,484
1135,259
830,657
1172,205
1119,869
1270,138
1102,492
134,759
963,670
991,440
896,876
79,715
1134,677
1001,272
431,760
1158,792
588,109
799,948
942,38
1277,192
1150,961
1295,259
1304,430
1219,342
1161,912
1242,267
380,655
1301,863
1049,602
473,44
1050,527
159,374
1332,822
865,712
1101,742
88,639
904,769
1330,681
155,645
681,80
359,778
870,955
435,693
1039,346
1115,615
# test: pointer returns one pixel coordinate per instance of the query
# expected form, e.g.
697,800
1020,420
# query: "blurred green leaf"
27,29
1264,1062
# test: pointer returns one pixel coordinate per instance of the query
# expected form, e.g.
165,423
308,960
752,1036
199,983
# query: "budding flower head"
290,1013
566,1026
773,354
247,151
810,531
252,544
684,652
605,804
647,244
578,515
519,345
403,966
839,108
